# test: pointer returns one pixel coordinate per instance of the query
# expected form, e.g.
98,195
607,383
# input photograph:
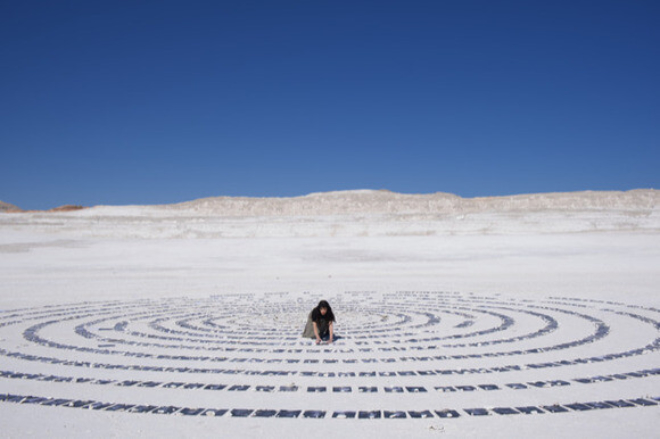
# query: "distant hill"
359,213
67,208
6,207
386,202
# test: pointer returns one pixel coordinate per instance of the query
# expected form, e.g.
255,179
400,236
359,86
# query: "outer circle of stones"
409,343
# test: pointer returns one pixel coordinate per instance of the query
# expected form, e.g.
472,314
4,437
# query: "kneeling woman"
319,323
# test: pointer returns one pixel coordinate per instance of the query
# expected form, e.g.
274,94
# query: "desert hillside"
6,207
386,202
361,213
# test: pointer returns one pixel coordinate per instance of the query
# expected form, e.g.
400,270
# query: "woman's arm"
331,332
316,332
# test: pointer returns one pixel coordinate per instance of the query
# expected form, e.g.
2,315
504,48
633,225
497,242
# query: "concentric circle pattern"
399,355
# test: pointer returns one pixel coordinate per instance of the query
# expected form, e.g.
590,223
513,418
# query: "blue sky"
125,102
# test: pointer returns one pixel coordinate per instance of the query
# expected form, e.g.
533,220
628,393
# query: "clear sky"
148,102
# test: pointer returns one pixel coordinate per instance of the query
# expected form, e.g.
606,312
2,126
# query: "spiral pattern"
409,354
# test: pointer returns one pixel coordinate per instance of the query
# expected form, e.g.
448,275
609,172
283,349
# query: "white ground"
269,261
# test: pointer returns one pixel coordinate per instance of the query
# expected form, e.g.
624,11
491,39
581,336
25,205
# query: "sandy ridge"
355,214
383,202
643,201
6,207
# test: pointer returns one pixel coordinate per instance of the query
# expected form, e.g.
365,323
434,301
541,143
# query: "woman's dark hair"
329,315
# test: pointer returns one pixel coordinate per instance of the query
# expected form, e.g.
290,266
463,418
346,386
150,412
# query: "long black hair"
329,315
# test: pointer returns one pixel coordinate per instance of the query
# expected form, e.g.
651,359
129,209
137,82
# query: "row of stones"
319,414
31,334
321,389
654,346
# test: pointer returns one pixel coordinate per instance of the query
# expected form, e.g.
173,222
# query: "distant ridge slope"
6,207
362,213
386,202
